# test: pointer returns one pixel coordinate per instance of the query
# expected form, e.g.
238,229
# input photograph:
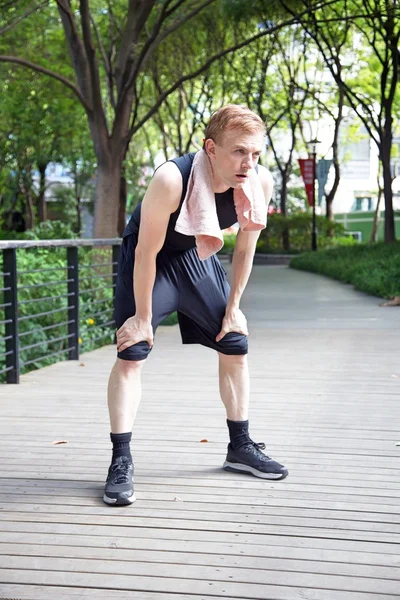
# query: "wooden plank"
242,590
211,550
279,539
40,592
252,563
222,486
20,511
237,576
284,506
190,466
196,495
250,514
130,520
211,476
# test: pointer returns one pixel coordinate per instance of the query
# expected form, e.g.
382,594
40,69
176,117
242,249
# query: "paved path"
325,398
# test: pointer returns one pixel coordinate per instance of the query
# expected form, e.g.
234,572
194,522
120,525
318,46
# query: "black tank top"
178,242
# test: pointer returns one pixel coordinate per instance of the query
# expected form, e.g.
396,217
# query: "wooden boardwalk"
325,366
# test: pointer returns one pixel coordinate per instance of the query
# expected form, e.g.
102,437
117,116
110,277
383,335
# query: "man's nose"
247,161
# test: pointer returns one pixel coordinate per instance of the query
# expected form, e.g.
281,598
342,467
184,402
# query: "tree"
364,36
111,47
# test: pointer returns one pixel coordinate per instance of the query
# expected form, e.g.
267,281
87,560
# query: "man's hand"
234,321
134,330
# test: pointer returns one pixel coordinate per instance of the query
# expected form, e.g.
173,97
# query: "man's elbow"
145,253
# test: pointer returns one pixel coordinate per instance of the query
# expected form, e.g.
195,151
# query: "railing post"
115,257
11,314
73,302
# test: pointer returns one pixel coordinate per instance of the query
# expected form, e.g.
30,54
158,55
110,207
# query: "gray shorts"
197,290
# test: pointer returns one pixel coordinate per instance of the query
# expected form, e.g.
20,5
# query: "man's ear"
209,147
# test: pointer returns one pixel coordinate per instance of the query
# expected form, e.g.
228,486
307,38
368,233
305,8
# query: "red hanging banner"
307,173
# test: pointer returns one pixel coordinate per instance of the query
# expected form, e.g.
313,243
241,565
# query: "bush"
374,269
299,228
48,230
42,289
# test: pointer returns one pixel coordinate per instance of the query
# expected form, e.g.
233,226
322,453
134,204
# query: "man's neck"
219,186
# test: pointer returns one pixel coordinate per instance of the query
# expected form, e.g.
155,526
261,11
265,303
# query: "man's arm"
242,264
161,199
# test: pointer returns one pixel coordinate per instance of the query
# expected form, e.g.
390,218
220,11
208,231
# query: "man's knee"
136,353
228,360
233,344
128,368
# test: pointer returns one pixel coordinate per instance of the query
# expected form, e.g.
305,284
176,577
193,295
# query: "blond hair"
233,116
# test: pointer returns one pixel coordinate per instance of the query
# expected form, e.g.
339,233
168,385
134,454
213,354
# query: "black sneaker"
119,484
250,459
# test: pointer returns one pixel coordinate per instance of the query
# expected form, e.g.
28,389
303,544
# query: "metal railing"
60,305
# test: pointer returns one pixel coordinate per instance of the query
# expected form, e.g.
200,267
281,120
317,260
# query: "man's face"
233,156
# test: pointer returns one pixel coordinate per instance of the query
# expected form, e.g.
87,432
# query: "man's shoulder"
168,174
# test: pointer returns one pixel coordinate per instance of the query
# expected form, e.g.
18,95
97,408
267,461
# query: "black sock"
120,442
238,433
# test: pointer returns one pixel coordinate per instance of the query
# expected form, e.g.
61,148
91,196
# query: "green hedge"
299,227
374,269
43,332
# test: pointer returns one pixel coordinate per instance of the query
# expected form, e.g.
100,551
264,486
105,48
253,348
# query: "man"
160,272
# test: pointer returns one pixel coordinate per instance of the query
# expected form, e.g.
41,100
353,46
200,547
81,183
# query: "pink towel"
199,217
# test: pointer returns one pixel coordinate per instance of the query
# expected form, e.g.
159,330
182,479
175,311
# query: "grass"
374,269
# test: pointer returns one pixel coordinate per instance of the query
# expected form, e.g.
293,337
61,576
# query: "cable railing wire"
62,325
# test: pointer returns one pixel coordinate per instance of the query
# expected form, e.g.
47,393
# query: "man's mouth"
241,176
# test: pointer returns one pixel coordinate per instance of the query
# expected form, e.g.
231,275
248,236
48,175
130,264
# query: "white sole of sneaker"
120,502
239,468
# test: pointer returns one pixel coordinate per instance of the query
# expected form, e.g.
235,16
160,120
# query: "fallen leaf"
177,499
82,365
202,441
59,442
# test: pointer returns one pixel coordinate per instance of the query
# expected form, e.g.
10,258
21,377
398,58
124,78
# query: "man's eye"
240,151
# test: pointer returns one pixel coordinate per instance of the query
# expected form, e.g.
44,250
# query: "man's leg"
234,385
244,455
203,299
124,392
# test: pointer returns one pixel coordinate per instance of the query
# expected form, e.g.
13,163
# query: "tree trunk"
331,195
107,199
30,210
78,216
335,151
42,208
374,231
285,232
385,151
25,186
123,193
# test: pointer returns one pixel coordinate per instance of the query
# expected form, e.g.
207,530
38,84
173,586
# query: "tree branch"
137,15
208,63
40,69
92,60
107,65
76,50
